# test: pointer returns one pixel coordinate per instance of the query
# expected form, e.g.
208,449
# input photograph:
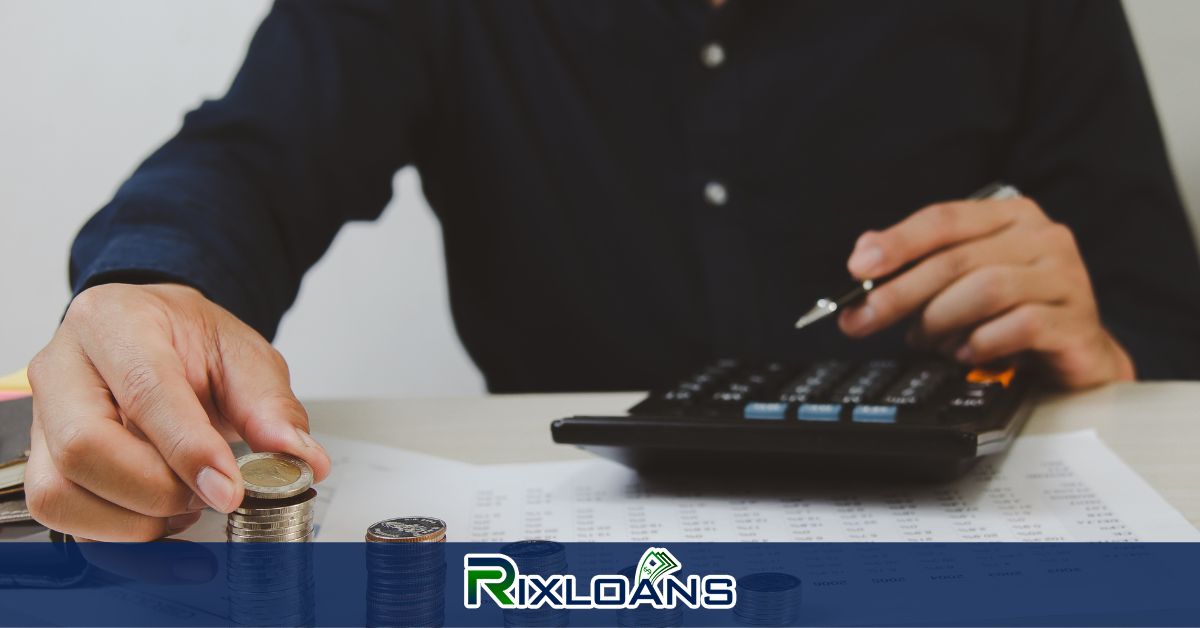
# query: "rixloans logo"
654,584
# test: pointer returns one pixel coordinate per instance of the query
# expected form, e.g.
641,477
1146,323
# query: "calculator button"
729,396
916,385
680,395
766,410
972,400
826,412
1002,377
867,382
874,414
815,382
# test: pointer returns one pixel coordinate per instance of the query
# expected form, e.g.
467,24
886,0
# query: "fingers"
255,395
59,504
878,253
146,377
92,449
913,289
984,294
1030,327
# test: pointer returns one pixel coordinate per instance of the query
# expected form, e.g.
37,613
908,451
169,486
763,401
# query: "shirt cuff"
162,256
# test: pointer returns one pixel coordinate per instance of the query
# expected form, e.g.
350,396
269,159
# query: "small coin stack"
645,614
278,503
542,558
768,599
406,572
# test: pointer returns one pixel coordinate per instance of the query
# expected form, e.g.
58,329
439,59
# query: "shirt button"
712,55
715,193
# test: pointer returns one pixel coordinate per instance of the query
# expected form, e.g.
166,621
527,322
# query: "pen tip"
810,317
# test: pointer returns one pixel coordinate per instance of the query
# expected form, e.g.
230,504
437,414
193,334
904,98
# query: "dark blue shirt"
628,188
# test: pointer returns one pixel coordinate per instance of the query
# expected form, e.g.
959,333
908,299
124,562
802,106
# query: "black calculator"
915,417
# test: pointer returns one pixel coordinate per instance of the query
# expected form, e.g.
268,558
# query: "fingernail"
864,259
179,523
308,440
963,354
216,489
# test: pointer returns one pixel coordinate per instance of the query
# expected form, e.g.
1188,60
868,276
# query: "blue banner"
598,584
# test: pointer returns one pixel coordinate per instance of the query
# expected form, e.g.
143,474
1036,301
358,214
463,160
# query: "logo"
654,583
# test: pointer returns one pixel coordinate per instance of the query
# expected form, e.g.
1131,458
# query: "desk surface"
1153,427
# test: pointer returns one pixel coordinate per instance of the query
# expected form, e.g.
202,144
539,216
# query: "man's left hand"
988,279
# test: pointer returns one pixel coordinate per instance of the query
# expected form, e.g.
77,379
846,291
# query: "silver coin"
407,530
274,476
304,511
299,537
270,524
303,525
260,507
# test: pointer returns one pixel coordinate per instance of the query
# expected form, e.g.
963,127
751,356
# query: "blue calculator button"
771,411
874,414
819,412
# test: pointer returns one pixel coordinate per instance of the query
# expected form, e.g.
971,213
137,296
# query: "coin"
274,476
258,507
768,599
270,524
407,530
272,532
278,505
303,535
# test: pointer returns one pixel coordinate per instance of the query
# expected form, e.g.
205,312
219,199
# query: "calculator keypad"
873,392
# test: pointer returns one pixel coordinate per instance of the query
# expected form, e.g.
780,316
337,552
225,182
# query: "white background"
87,89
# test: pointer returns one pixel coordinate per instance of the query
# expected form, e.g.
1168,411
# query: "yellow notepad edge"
15,381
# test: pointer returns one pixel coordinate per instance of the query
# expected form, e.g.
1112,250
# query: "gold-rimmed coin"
274,476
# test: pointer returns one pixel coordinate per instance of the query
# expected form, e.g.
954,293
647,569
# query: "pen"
859,290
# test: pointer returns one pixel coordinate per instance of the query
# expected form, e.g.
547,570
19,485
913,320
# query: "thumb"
255,396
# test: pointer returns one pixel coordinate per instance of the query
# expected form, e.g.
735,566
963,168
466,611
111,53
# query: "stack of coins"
271,584
541,558
768,599
278,503
406,572
645,614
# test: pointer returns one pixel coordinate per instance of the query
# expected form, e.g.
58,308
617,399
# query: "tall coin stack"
278,506
768,599
406,572
269,567
542,558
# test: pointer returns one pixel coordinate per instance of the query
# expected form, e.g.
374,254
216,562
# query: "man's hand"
988,279
133,400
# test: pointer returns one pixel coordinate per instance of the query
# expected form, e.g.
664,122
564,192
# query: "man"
625,190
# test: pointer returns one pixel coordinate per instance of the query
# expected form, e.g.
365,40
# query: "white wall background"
87,89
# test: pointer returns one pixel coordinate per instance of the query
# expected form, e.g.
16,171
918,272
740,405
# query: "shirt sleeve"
253,188
1090,151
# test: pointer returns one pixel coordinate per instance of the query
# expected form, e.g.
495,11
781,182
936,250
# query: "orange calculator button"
986,376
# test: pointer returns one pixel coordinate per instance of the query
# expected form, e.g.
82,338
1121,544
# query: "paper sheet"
1063,487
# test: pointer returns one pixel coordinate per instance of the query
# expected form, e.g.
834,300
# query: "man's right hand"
133,402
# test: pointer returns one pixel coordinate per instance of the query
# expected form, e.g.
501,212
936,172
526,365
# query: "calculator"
916,417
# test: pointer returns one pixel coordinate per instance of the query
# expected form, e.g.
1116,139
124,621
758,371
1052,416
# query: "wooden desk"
1153,427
